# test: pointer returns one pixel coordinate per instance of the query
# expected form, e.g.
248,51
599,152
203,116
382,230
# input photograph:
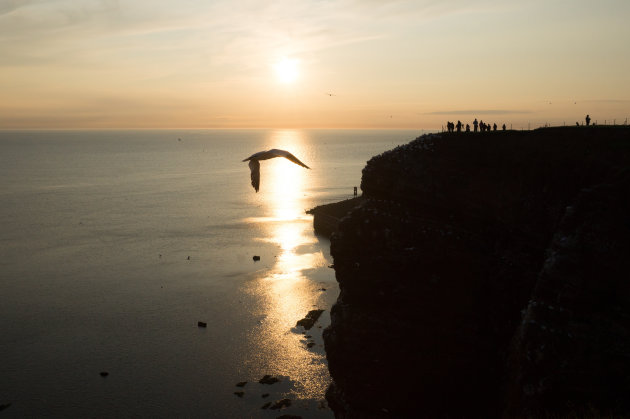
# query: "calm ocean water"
115,244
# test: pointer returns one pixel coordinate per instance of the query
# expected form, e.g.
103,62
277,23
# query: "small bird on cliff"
254,162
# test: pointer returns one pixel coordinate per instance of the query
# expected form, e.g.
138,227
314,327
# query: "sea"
128,285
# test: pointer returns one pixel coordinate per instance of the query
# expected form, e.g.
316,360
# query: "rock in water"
268,379
310,319
280,404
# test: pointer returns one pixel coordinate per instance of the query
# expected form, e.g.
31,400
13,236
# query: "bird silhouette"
254,162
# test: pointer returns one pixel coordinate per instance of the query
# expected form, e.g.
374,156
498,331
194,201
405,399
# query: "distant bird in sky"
254,162
331,94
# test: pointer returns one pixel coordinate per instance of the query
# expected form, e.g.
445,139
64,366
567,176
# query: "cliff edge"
485,275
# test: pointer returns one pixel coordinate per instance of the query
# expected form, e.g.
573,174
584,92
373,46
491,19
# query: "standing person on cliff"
588,120
475,124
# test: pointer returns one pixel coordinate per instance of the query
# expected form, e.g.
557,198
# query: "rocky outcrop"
449,266
326,217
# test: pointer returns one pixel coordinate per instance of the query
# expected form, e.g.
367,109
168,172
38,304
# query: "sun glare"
286,70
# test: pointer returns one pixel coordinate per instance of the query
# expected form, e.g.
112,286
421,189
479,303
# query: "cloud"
613,101
480,112
8,6
229,31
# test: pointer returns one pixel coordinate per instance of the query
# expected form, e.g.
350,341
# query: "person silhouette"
494,127
459,126
467,127
475,124
503,127
588,120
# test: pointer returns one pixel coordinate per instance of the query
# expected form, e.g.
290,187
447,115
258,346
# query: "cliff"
485,275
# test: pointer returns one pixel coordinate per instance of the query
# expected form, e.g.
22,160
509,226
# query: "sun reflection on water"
285,291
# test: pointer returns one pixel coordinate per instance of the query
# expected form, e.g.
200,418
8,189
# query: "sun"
286,70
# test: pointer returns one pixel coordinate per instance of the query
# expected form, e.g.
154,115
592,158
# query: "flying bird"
254,162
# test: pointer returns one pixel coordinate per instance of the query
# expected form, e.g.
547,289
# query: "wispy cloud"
8,6
228,29
480,112
603,101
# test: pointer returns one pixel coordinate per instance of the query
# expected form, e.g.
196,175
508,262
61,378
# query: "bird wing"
254,166
256,155
283,153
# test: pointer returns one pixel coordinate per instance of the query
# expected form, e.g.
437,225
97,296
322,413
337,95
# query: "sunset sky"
311,63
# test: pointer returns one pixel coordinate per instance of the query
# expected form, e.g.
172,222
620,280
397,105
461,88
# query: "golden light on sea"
285,291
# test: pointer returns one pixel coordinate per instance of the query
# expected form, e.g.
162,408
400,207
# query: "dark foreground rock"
486,276
573,344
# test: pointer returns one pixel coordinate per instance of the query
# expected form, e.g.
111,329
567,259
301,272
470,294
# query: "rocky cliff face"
485,275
